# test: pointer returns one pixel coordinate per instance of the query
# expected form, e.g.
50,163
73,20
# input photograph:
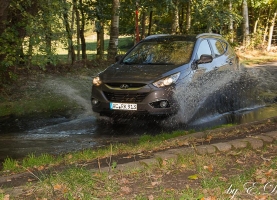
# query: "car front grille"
130,85
125,97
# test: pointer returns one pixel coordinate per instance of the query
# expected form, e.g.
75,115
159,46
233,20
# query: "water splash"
77,90
216,93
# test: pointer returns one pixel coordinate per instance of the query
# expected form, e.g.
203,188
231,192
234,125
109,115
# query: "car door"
232,58
203,68
222,61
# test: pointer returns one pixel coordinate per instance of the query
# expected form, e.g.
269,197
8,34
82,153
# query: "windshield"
160,53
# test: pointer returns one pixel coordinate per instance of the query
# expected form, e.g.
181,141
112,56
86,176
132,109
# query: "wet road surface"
91,132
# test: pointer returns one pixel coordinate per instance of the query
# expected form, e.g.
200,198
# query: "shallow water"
202,108
88,132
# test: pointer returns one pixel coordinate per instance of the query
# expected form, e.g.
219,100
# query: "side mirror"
204,58
118,57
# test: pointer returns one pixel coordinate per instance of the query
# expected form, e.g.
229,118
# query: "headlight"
167,80
96,81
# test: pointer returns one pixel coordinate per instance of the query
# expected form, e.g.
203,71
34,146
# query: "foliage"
36,28
10,164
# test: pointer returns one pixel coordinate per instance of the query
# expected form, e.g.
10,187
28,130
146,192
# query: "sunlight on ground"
254,57
90,40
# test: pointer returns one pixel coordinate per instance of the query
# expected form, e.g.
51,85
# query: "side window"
204,48
224,44
229,49
217,47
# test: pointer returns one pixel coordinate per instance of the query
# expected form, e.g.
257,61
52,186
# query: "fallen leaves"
6,197
194,177
209,198
262,176
126,190
123,181
60,187
155,183
151,197
269,172
210,168
209,138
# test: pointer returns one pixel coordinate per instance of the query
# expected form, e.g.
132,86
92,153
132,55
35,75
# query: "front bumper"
147,98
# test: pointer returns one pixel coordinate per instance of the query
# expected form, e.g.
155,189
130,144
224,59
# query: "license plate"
123,106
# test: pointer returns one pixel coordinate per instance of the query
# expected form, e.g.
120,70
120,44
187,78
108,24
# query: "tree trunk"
175,21
231,25
76,11
71,53
113,43
266,27
257,21
143,20
136,23
181,19
48,33
150,22
82,31
271,31
188,17
100,40
246,40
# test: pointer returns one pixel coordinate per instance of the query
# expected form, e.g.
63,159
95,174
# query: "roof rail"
208,34
157,35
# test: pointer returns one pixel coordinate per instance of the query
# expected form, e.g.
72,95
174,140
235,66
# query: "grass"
255,57
10,165
41,104
166,179
38,161
163,136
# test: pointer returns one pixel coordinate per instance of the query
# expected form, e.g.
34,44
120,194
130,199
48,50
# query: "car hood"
137,73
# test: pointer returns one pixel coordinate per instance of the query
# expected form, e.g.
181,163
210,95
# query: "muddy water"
90,132
61,135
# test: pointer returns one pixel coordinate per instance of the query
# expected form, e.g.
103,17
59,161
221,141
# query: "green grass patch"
42,104
167,179
36,161
163,136
10,164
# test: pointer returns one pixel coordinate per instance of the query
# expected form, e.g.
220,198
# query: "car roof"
162,37
182,37
209,35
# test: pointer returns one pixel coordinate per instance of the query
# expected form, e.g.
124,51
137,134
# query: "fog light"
163,104
94,101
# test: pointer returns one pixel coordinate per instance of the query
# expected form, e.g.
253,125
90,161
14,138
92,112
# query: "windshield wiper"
158,63
129,63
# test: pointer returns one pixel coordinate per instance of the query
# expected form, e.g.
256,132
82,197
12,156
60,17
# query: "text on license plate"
123,106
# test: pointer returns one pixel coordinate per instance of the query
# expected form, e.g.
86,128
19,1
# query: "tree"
188,16
4,7
69,31
82,29
271,31
113,43
246,39
175,15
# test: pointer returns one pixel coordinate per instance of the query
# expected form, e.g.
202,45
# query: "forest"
31,31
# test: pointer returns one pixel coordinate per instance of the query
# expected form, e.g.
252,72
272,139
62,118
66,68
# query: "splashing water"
214,94
76,89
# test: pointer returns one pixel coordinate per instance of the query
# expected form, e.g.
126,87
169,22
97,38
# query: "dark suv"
144,80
